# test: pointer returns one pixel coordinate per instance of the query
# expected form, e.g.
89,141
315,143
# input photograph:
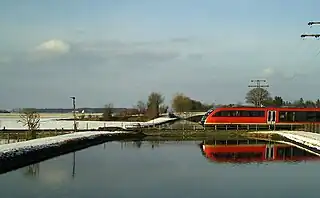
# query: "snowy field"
43,115
53,123
17,148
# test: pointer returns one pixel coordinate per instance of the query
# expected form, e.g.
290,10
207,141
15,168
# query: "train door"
271,117
269,153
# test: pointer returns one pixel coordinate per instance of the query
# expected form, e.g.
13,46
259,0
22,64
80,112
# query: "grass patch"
27,135
192,135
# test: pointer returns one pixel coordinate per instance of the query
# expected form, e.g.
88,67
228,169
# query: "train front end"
204,117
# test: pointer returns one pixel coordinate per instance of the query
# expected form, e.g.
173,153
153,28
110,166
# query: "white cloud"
54,46
284,74
48,50
171,64
268,71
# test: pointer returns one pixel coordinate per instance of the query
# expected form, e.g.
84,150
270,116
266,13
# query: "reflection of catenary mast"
311,35
259,85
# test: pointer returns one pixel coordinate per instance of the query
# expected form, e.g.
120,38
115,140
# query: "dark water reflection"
158,170
253,151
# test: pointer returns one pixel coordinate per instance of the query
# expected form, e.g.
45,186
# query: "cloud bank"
104,71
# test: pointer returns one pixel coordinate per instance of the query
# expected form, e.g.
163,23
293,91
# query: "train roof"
263,108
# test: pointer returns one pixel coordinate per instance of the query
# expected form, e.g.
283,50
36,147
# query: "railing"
312,127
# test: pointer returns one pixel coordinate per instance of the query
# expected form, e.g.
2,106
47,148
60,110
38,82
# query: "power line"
74,113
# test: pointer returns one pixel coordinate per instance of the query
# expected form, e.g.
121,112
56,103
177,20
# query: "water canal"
169,169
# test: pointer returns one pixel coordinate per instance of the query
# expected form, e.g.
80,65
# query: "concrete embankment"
20,154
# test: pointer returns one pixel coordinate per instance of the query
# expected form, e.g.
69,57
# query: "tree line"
262,96
154,106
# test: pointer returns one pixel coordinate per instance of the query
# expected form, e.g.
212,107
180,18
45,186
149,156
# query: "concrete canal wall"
19,154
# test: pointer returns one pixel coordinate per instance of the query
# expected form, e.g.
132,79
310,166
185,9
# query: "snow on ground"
53,123
17,148
158,121
306,138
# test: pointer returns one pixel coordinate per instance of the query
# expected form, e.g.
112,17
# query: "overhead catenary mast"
314,23
259,85
311,23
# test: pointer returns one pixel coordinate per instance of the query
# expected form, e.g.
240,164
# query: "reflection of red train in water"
259,117
245,151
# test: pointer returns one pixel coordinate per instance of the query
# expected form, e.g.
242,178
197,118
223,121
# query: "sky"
119,51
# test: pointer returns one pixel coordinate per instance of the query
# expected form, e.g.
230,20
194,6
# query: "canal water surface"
169,169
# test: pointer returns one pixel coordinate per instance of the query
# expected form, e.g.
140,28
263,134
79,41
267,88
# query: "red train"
282,117
247,153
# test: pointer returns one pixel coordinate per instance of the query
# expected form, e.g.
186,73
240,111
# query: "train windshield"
206,115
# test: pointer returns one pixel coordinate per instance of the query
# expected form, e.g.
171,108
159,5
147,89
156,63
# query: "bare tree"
107,112
32,170
163,108
154,101
258,96
181,103
142,107
31,119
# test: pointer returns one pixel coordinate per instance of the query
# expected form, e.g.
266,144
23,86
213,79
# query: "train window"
281,152
311,116
241,113
282,116
231,142
208,112
243,142
318,116
256,113
248,155
251,113
307,116
225,114
298,152
220,142
300,116
286,116
244,114
222,155
237,155
217,114
288,152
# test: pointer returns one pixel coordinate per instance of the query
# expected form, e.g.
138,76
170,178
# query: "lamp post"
74,113
74,130
74,165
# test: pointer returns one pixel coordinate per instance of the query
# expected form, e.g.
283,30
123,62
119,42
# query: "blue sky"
119,51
